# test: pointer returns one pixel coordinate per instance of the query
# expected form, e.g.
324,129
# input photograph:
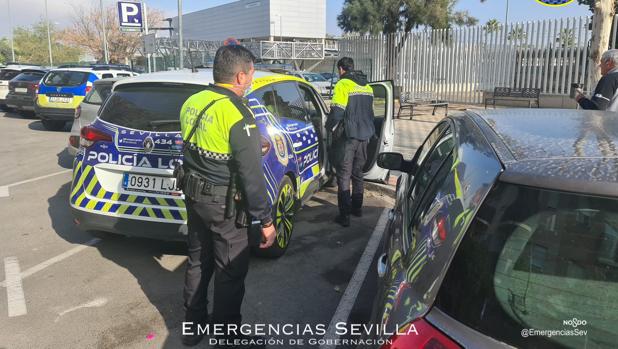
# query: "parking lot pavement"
63,288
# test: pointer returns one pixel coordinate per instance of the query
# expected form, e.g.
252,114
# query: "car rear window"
7,74
66,78
98,94
149,107
29,77
536,260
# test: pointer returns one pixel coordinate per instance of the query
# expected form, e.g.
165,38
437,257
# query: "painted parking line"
28,272
351,292
14,291
4,190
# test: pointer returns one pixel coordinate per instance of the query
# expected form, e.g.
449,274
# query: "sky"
26,12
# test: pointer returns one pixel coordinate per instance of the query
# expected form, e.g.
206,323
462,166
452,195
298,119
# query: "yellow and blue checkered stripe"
88,195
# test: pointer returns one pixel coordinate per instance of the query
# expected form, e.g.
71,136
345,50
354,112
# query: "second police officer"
223,152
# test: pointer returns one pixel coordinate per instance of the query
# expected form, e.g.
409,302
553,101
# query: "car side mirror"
391,161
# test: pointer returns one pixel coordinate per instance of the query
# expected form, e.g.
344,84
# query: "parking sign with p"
130,15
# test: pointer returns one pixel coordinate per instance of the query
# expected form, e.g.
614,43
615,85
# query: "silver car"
88,109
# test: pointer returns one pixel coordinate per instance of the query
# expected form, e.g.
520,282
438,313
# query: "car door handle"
382,265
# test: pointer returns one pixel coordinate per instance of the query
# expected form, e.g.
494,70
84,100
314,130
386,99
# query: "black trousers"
351,160
216,246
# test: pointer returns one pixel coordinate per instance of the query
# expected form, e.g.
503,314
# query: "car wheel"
52,125
284,214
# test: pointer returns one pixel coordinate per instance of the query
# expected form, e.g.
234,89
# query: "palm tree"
492,25
517,34
566,38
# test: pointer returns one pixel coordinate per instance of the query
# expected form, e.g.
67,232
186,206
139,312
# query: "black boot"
357,205
191,340
344,201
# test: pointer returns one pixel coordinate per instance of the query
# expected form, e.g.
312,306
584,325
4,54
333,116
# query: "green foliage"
31,45
492,25
389,16
590,4
5,50
566,38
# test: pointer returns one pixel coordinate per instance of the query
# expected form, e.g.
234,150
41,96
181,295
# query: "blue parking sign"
130,15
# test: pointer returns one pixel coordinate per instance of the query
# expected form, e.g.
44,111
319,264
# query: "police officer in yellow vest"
351,120
224,145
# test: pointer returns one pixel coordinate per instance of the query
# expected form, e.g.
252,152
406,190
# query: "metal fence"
459,64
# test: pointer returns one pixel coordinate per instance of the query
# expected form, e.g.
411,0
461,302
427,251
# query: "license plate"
21,89
149,183
60,99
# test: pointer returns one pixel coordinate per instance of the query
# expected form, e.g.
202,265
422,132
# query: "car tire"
284,214
52,125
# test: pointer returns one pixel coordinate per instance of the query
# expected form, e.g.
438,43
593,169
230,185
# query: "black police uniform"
225,143
352,111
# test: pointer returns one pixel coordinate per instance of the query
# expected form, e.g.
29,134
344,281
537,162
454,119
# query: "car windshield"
65,78
29,76
538,260
149,107
313,77
8,74
98,94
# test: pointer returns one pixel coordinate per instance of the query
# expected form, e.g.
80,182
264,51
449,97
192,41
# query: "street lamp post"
103,18
180,53
8,2
506,18
49,47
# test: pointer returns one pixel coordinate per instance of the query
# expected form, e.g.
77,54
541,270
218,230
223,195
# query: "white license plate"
132,181
60,99
21,89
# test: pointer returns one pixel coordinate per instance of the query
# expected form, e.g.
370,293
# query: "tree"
31,45
5,50
566,38
517,34
390,16
601,28
590,4
492,25
87,32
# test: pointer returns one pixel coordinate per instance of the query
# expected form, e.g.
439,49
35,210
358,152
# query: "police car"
122,173
62,90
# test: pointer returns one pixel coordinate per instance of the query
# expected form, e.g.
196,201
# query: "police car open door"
383,109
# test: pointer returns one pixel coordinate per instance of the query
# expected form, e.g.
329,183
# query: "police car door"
383,109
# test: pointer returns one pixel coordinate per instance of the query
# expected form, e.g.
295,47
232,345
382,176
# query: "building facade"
258,20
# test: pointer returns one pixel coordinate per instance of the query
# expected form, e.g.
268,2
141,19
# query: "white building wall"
246,19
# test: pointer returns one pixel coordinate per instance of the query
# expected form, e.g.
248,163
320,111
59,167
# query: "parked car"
62,90
318,81
6,75
505,221
87,111
132,145
23,90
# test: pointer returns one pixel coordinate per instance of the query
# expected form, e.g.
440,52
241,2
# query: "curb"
381,189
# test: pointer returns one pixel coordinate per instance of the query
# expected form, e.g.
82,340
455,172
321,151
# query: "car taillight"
78,112
422,336
88,88
90,135
74,141
265,145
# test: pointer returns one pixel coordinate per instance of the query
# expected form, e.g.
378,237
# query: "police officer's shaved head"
346,63
229,61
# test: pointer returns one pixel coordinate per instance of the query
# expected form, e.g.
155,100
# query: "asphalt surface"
93,290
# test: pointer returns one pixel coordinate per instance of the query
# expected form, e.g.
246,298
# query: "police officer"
225,145
351,121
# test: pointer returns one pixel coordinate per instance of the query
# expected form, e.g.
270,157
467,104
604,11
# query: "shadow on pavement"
38,126
65,160
302,287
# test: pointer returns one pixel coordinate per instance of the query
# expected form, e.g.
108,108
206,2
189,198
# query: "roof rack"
74,66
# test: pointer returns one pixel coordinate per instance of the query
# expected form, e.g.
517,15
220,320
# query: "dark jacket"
603,93
353,104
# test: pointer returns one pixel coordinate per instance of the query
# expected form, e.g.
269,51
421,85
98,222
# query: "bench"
515,94
408,100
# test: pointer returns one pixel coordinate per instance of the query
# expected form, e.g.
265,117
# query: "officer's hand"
268,236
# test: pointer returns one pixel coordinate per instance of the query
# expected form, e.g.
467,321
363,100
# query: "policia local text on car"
223,152
351,118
